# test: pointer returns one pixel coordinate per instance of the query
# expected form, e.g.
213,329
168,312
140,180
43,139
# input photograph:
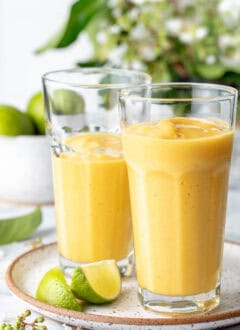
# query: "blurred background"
24,26
170,39
173,40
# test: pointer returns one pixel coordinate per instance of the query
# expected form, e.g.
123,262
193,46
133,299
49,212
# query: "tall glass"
90,176
177,142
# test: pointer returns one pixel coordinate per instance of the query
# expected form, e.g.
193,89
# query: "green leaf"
53,42
232,77
20,227
213,71
81,13
91,64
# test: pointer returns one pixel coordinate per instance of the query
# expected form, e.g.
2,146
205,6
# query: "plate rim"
89,317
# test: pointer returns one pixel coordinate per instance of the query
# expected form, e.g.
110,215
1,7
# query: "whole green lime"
36,111
14,122
67,102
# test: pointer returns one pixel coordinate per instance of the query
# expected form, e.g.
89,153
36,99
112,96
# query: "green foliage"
170,39
81,13
20,227
22,324
88,64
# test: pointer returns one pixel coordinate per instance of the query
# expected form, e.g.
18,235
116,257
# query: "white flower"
201,32
116,54
137,65
188,33
185,31
174,26
141,2
232,61
112,3
139,32
211,59
116,12
229,11
185,3
115,29
134,13
101,37
147,54
138,2
230,41
186,37
226,40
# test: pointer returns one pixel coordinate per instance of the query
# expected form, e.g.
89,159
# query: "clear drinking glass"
90,176
177,142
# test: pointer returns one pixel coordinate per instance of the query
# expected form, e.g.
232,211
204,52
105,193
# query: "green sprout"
22,323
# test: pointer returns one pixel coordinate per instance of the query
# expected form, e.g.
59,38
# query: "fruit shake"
178,171
92,199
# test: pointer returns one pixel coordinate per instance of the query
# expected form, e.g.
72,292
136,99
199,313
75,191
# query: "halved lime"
54,290
98,282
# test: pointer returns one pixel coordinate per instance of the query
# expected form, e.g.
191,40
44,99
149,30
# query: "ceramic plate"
25,272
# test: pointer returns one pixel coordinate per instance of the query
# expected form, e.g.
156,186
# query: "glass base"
172,306
125,265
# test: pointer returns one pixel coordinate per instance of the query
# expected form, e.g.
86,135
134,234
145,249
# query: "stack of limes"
14,122
36,111
96,283
32,122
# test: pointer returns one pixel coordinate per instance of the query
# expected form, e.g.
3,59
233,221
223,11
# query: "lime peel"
54,290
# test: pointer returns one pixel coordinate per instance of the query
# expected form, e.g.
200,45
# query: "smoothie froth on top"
90,147
180,128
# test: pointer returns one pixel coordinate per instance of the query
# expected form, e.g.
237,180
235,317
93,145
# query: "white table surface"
10,307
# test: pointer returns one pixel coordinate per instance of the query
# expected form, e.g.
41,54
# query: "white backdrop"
24,26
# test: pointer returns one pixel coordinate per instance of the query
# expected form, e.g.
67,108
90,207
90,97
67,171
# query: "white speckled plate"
24,273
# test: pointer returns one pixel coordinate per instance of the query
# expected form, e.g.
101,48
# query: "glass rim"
46,77
232,92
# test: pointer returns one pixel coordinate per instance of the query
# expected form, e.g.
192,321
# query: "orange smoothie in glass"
92,199
178,172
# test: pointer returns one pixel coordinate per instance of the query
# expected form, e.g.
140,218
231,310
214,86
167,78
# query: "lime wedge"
54,290
98,282
17,224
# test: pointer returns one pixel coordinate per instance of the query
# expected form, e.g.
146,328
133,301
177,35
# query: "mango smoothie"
178,171
92,199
